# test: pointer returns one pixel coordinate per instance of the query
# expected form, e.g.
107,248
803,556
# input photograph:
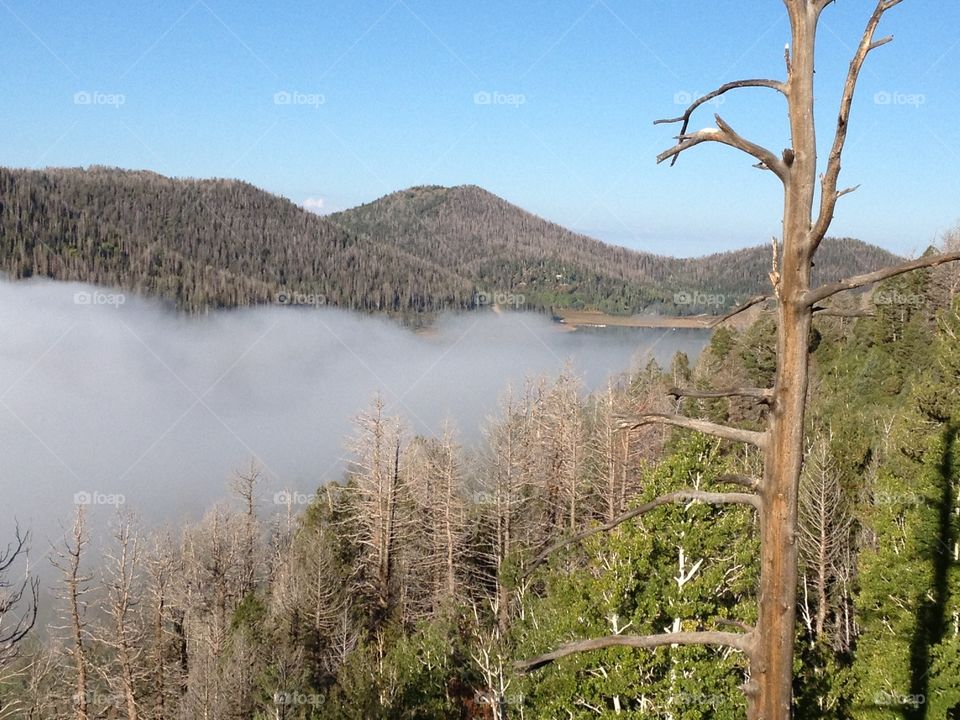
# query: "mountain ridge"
209,243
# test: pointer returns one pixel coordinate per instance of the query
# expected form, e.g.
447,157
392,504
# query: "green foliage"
420,675
909,587
758,351
630,584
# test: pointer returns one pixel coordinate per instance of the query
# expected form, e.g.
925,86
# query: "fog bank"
136,400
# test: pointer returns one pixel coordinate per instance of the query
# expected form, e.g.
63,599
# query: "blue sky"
548,103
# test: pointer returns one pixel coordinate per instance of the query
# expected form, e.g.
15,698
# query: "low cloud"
129,402
316,205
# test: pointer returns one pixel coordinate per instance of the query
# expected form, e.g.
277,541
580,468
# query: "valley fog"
103,402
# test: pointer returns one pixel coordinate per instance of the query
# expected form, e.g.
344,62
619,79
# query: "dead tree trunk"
769,646
17,599
74,586
123,632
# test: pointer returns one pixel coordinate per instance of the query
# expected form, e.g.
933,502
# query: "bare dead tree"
377,492
562,440
501,499
769,646
825,524
438,540
123,630
612,453
244,486
491,660
40,685
209,588
74,586
18,598
160,564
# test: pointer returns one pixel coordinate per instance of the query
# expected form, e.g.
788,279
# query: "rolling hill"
225,243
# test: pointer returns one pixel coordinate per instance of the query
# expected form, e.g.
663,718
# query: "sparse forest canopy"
409,589
222,243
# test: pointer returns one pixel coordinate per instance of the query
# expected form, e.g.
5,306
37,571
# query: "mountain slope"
509,249
202,243
225,243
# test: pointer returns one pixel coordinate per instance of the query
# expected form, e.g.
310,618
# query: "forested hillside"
202,244
505,247
411,589
224,243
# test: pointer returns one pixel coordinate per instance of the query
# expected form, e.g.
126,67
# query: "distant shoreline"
592,318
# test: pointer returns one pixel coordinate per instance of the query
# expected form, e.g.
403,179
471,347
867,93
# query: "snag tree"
18,600
807,215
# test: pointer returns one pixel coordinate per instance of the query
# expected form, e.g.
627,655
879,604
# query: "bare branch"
828,187
726,135
762,394
815,295
737,641
726,87
704,426
18,601
755,300
691,496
